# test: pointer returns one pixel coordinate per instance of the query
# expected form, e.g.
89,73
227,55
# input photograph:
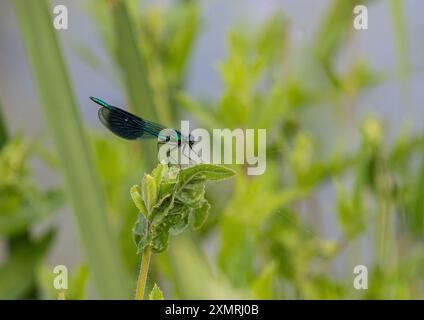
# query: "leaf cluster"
169,199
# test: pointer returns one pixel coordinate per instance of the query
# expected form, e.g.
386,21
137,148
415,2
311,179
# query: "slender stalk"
383,232
81,182
144,269
3,129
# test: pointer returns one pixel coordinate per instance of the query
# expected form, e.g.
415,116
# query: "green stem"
383,231
144,269
3,129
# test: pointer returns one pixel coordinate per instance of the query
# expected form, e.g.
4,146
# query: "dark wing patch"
124,124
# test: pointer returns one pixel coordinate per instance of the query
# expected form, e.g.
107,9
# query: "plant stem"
3,129
144,269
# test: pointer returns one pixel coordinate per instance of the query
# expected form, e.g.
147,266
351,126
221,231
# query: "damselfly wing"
131,127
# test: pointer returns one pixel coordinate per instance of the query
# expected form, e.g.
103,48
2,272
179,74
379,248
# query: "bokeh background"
344,184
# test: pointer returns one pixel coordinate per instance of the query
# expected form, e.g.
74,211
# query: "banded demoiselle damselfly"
131,127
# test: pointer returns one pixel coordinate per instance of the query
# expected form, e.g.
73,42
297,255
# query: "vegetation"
337,192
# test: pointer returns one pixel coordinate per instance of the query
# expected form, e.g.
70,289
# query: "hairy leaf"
156,293
199,215
138,201
149,192
140,232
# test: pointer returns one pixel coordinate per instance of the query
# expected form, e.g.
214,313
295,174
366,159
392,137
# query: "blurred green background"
344,184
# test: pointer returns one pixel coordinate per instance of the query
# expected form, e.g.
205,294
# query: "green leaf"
140,233
166,189
400,31
17,274
238,251
334,28
78,284
161,209
34,209
132,62
66,129
159,237
149,192
134,68
193,193
178,219
172,209
171,175
199,215
156,293
349,209
158,173
138,201
207,171
262,287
